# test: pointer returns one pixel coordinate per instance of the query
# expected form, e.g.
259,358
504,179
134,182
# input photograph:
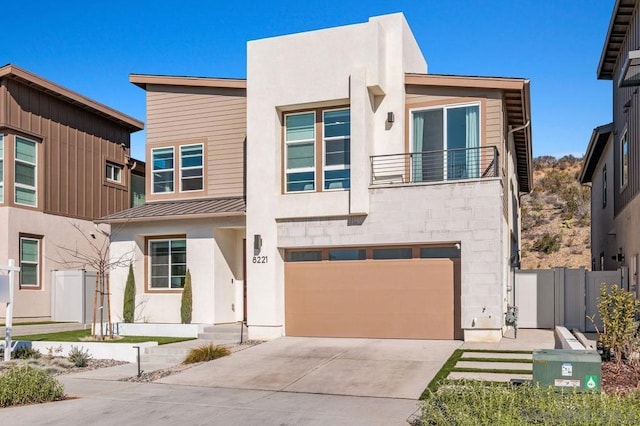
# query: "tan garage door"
402,298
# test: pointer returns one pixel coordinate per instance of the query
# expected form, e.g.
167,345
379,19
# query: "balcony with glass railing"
435,166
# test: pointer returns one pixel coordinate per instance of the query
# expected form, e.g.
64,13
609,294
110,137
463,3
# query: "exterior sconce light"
390,117
257,244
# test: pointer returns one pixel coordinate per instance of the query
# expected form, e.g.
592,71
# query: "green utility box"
567,369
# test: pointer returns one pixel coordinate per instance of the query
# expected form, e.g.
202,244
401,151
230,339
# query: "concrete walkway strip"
496,355
487,377
495,365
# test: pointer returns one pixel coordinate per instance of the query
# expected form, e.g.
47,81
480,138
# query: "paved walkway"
288,381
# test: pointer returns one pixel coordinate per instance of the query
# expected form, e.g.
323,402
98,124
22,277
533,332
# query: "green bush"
78,357
129,306
547,243
617,309
27,385
186,303
476,403
26,353
206,353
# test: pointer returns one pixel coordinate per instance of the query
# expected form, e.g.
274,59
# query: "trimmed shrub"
28,385
129,306
186,303
617,309
206,353
78,357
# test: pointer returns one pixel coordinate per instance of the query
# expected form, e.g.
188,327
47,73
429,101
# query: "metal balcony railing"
435,166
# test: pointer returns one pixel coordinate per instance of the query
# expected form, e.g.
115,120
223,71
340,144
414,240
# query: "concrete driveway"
382,368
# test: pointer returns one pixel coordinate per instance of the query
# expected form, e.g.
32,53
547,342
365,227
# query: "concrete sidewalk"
527,340
110,403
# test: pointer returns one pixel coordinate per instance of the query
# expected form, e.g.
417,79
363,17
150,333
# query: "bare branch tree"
97,258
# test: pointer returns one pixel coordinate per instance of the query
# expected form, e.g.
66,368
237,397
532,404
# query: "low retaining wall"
97,350
568,340
158,330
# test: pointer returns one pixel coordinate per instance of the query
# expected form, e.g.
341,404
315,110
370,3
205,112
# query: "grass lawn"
76,335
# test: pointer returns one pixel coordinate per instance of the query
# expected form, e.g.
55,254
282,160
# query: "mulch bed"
619,378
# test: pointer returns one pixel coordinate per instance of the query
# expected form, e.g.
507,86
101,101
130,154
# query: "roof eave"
171,217
70,96
594,151
141,80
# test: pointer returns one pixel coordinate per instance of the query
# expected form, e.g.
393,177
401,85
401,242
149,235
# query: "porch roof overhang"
616,34
597,143
29,79
180,210
516,96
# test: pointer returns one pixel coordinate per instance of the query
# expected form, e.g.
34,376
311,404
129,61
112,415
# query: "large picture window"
191,167
624,160
25,172
162,170
1,168
445,143
167,263
337,149
29,262
317,153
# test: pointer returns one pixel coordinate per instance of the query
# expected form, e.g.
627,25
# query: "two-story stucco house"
381,201
64,161
612,161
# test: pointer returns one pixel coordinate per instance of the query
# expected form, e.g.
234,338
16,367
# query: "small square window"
113,172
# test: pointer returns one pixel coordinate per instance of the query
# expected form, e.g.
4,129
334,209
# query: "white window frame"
324,151
287,170
201,167
624,140
110,168
37,262
35,172
172,170
150,265
445,136
2,172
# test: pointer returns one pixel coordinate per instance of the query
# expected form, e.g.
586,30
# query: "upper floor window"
300,139
445,143
25,171
191,168
113,172
604,186
304,170
624,160
1,168
162,170
29,262
337,149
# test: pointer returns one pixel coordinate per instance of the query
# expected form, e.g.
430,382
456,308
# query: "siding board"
70,163
179,114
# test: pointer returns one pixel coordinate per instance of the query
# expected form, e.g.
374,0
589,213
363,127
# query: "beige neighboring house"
381,201
194,214
612,160
64,161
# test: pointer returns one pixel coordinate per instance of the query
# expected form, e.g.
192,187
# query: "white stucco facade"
363,66
214,259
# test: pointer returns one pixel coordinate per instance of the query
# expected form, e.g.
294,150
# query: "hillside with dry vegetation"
556,216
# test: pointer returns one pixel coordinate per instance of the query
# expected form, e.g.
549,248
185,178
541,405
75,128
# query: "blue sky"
91,47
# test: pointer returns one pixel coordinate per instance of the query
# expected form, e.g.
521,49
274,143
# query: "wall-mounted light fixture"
391,117
257,244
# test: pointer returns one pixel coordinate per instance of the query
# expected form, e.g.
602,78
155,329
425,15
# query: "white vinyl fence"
560,296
